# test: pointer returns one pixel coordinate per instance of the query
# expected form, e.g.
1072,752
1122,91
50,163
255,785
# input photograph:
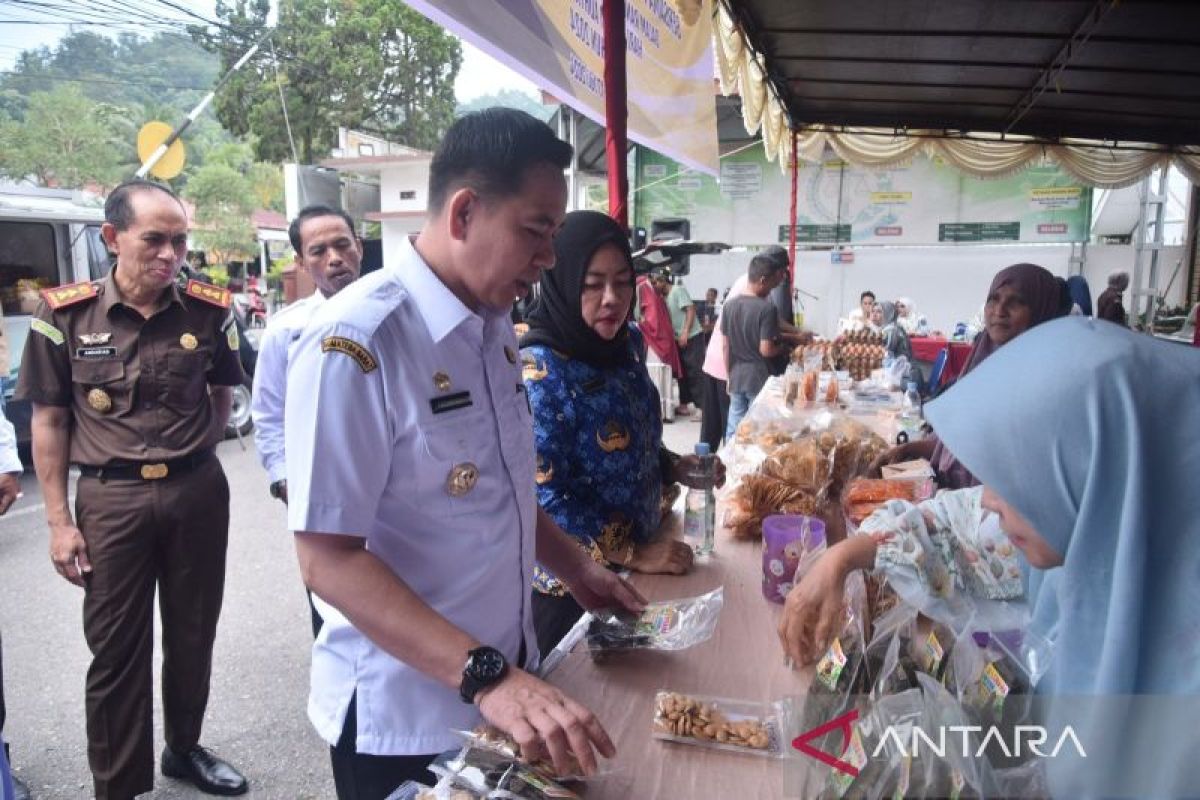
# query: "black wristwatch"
485,667
278,488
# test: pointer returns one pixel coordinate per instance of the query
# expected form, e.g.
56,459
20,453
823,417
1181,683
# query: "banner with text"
559,45
925,202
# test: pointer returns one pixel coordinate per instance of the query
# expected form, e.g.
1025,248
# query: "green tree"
64,139
371,63
224,201
510,98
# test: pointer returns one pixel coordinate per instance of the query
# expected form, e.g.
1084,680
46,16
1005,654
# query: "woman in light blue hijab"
1085,437
1090,453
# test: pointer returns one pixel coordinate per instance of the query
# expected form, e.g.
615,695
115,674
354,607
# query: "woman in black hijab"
601,467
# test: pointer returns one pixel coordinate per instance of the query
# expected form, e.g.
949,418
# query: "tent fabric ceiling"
1044,71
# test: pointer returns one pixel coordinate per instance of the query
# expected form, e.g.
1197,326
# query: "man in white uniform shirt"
411,478
327,248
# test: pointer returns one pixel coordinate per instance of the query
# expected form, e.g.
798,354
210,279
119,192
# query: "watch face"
487,664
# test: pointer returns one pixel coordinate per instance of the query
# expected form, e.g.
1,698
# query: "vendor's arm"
813,608
689,318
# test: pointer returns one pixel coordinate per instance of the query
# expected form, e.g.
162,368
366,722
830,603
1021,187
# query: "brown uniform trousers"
173,533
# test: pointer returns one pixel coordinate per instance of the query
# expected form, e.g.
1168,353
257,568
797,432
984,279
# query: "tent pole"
616,112
792,212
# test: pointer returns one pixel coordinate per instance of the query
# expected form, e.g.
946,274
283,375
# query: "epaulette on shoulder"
214,295
69,295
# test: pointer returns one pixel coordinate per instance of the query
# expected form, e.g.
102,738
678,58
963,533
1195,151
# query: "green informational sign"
923,202
979,232
822,234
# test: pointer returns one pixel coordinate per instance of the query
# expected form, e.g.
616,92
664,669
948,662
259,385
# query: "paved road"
256,714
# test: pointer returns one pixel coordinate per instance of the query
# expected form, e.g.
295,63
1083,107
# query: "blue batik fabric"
597,431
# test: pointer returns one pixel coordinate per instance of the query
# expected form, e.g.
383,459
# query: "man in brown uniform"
130,380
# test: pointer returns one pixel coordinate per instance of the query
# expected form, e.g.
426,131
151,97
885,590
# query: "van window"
99,260
28,263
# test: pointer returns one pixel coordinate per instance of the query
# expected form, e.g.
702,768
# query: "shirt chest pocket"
100,385
186,382
457,470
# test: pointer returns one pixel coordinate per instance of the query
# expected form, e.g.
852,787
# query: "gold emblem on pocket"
441,381
188,341
613,436
99,400
462,479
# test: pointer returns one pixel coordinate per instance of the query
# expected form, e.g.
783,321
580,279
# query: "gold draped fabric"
982,156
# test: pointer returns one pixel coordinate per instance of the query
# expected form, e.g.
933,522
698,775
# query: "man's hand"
544,721
594,586
68,552
665,556
10,487
683,340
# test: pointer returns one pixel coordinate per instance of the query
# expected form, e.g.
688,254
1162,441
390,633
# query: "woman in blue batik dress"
601,466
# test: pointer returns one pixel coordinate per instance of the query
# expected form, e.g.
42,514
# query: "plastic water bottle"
700,504
910,412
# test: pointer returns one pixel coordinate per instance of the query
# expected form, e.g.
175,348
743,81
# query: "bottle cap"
702,449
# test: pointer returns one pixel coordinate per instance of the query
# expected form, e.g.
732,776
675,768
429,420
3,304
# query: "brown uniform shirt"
154,373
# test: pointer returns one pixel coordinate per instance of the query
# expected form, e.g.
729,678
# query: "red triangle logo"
842,723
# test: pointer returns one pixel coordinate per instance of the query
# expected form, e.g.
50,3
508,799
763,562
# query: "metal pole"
157,155
616,113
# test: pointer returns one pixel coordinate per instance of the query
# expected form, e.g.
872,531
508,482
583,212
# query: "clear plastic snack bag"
665,625
491,774
738,726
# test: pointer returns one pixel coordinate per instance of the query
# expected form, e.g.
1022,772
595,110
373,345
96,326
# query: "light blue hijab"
1092,433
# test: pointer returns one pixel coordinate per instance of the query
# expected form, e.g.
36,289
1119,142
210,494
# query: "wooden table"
743,660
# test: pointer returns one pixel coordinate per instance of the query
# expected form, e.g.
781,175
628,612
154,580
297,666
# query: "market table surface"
743,660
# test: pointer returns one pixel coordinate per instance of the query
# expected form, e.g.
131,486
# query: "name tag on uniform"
450,402
96,353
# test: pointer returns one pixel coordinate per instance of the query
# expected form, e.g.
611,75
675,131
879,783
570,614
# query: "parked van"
48,237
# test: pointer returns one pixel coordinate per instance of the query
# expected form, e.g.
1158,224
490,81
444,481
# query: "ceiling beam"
1050,74
921,33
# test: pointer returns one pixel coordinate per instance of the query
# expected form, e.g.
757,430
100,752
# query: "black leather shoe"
208,773
20,790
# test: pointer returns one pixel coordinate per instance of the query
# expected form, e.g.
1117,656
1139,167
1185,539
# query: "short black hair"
118,207
316,210
490,151
777,254
867,293
762,267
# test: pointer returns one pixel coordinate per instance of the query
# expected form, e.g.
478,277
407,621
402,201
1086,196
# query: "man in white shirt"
860,317
328,249
10,488
410,458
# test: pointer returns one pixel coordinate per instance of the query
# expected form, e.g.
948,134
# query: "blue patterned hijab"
1092,433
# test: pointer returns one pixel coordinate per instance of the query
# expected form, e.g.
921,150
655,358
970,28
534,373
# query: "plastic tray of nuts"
719,723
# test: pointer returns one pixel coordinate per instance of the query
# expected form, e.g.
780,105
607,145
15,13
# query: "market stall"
926,350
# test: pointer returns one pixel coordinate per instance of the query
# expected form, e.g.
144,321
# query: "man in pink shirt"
716,397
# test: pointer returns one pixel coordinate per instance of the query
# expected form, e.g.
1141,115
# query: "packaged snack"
891,769
491,774
841,672
666,625
492,738
734,725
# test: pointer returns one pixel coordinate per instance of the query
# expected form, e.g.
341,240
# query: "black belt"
146,470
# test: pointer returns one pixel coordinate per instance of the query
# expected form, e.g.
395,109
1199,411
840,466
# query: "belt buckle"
153,472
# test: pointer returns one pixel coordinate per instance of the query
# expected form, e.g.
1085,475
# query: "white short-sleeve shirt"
393,386
270,381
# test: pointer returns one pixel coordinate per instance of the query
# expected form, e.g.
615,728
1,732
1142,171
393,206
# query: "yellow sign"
886,198
1056,192
559,44
149,138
